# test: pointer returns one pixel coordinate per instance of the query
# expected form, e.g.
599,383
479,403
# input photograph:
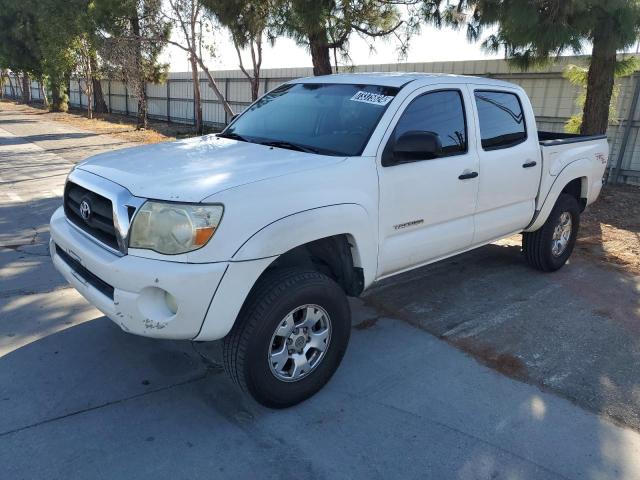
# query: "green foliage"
50,39
247,21
578,76
132,35
334,21
20,49
532,32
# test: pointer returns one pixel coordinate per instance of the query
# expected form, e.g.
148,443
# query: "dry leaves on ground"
118,126
610,228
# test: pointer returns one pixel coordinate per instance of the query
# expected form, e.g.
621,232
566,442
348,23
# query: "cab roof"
400,79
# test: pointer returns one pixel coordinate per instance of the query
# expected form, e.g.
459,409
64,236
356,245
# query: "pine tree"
325,25
533,31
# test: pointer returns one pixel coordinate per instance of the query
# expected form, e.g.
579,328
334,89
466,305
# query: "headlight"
173,228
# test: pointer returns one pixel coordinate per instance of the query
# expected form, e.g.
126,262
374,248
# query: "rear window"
501,119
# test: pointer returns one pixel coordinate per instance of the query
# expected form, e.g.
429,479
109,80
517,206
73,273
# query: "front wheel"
289,338
548,248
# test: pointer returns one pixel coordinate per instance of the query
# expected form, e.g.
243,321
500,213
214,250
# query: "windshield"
329,119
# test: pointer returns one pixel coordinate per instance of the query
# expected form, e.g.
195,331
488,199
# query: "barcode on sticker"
374,98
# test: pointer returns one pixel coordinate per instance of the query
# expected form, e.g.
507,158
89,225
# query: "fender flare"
577,169
306,226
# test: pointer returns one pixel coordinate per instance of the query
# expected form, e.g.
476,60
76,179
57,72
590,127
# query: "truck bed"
557,138
560,152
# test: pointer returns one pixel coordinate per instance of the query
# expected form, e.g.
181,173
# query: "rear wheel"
548,248
289,338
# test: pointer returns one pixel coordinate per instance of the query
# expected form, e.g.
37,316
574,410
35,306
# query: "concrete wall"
553,97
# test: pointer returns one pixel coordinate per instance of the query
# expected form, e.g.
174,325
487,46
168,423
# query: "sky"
430,46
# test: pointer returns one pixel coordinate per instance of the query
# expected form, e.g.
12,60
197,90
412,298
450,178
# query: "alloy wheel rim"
561,234
299,343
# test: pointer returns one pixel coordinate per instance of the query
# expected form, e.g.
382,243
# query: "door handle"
530,164
468,175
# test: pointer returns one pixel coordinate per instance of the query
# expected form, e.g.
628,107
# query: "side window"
440,112
501,119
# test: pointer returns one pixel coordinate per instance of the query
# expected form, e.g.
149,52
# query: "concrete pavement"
79,398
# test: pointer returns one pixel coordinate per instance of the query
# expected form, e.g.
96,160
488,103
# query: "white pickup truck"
321,187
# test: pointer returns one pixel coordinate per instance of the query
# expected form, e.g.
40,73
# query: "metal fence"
552,96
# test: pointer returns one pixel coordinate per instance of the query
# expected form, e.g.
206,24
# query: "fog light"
172,303
157,305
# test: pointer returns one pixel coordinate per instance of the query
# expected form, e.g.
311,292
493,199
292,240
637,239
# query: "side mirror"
416,145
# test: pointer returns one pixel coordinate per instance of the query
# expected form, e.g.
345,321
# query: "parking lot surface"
474,368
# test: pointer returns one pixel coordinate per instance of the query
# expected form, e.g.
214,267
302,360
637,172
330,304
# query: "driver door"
427,204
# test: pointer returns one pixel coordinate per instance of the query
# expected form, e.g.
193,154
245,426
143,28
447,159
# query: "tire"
280,300
539,248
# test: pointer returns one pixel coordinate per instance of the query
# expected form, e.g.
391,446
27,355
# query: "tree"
134,34
192,23
3,79
325,25
533,31
59,24
19,46
578,76
247,21
84,52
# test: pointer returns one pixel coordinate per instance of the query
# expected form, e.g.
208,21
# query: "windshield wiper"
289,145
233,136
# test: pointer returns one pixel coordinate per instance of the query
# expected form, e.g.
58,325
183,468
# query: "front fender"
263,247
303,227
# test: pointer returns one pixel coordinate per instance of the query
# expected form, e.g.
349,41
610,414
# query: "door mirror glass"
415,145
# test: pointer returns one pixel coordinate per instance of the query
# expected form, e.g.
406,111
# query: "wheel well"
332,256
575,188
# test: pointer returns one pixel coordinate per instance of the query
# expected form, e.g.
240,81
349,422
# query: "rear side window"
440,112
501,119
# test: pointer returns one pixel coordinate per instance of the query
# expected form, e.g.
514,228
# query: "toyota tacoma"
322,187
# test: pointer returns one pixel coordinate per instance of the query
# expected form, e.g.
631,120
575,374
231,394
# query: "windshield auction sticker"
373,98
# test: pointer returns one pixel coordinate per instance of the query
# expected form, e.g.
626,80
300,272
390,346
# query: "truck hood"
194,169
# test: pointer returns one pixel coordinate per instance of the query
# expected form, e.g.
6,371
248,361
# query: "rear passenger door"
510,166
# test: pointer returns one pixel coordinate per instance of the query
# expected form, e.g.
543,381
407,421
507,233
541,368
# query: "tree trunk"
26,89
58,100
140,80
101,106
197,105
600,79
11,89
320,57
143,109
255,88
43,92
89,93
98,97
214,86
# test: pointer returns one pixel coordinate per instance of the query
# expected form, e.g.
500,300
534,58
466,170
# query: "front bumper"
138,294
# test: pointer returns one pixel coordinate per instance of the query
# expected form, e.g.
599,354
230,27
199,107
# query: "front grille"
89,277
99,224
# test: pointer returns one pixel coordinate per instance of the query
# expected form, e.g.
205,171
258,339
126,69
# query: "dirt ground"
119,126
610,228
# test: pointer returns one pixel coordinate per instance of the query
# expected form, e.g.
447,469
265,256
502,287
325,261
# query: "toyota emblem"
85,210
